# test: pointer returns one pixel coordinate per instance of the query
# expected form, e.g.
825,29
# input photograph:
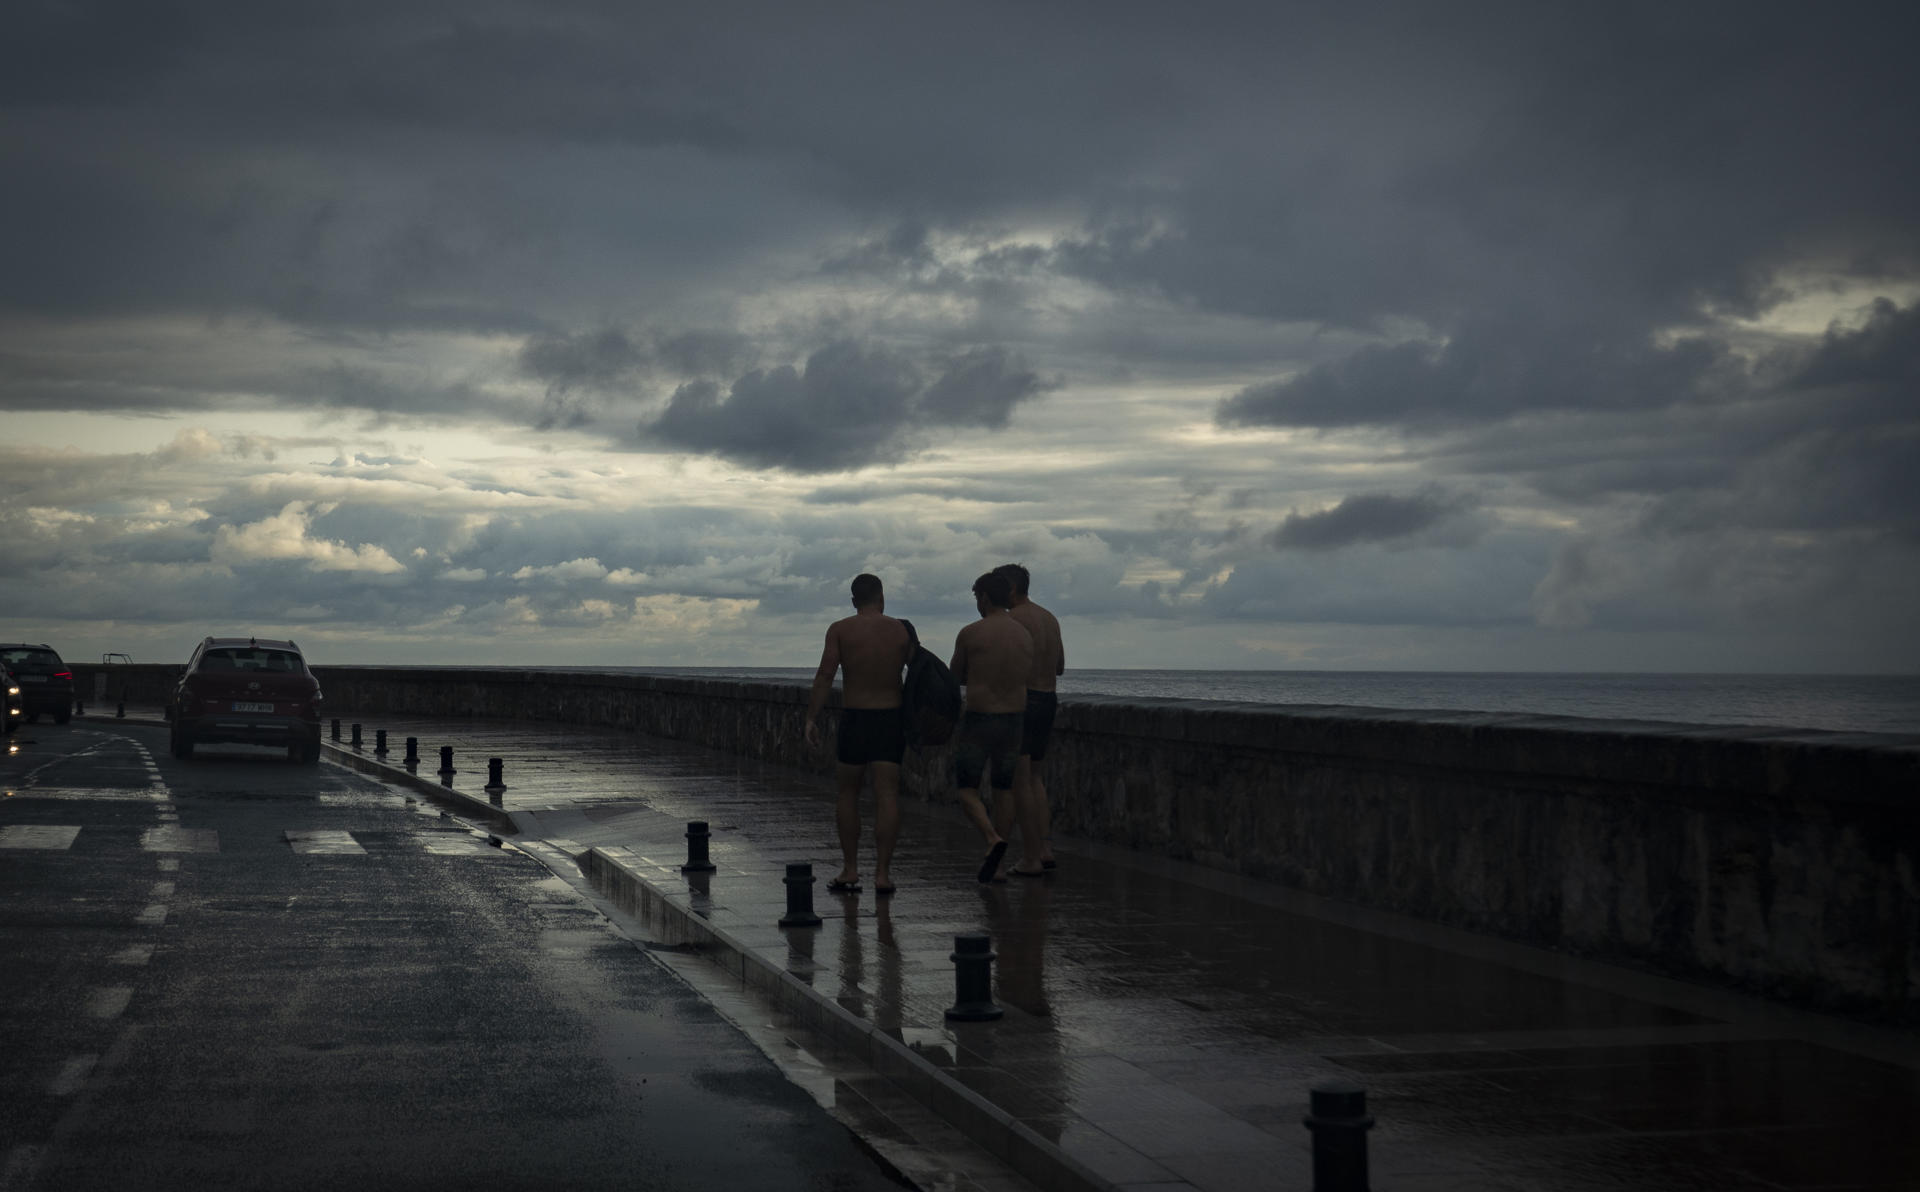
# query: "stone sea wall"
1782,862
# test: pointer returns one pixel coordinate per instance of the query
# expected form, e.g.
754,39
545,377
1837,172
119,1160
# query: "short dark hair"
1016,575
996,588
866,589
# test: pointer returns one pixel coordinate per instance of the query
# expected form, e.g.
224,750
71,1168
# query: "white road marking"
161,890
324,840
51,836
108,1001
71,1076
153,916
170,838
133,954
88,793
455,846
169,865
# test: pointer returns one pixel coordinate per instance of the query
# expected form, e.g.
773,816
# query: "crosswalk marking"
321,840
455,846
171,838
55,836
93,794
71,1076
108,1000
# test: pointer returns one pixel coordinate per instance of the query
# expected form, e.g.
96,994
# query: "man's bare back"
870,649
1049,653
992,658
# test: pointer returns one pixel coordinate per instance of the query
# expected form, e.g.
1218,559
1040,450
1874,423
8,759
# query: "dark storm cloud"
1365,517
706,352
590,359
980,388
1485,373
850,406
846,407
1883,354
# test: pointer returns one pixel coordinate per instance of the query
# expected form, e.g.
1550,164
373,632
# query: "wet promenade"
1163,1022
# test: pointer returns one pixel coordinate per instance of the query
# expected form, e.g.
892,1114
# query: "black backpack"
930,695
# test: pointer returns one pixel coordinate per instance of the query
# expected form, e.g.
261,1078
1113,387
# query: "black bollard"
413,752
800,897
972,958
446,760
356,737
697,835
380,742
494,780
1339,1121
121,711
336,729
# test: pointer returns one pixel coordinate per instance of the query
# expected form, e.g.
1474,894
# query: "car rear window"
20,656
249,658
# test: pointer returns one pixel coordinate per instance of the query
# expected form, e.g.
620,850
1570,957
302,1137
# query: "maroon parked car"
249,691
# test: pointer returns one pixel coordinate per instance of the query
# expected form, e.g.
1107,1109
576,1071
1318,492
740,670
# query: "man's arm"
822,684
1059,650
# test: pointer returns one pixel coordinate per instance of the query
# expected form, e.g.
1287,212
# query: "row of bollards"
1337,1116
496,767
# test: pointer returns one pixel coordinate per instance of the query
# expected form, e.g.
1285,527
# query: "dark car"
46,685
12,714
248,691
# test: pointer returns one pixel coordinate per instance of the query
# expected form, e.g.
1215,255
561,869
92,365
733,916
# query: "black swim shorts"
1037,727
986,741
872,735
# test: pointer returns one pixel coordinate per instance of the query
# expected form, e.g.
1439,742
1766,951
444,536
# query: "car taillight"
63,674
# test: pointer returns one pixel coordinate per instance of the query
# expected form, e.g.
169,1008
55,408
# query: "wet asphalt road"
237,972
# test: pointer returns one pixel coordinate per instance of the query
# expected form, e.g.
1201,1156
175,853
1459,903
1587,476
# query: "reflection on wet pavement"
1164,1023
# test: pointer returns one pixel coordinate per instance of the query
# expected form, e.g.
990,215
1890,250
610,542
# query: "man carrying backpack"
869,649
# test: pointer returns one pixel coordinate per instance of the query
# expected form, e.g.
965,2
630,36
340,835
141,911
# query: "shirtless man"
991,659
870,648
1029,792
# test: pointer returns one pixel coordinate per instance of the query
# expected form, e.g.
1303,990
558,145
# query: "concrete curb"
676,923
401,776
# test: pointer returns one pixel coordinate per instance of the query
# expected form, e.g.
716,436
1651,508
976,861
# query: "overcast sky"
1469,336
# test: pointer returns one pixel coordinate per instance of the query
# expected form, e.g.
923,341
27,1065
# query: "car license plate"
31,678
238,707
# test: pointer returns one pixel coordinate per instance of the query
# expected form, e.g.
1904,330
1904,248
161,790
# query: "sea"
1840,703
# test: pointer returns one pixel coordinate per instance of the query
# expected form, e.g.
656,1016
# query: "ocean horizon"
1834,703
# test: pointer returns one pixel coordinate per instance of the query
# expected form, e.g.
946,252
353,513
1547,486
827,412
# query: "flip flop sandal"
992,862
